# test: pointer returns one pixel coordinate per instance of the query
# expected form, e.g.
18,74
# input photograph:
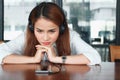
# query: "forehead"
43,22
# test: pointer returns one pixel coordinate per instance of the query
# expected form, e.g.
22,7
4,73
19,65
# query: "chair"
114,53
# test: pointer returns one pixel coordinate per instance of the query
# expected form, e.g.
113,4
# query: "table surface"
105,71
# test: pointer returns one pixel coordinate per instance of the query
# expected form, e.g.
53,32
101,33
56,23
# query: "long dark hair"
54,13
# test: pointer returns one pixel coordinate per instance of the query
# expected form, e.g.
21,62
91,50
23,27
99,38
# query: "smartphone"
43,72
46,68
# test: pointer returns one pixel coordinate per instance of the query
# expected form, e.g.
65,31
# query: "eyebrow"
48,30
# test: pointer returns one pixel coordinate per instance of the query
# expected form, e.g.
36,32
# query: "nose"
46,37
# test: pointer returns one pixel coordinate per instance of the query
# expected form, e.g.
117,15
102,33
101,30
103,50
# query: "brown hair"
54,13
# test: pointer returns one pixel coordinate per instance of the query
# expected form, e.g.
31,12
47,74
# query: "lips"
46,43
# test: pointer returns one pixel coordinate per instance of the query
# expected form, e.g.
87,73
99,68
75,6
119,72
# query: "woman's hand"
48,49
39,54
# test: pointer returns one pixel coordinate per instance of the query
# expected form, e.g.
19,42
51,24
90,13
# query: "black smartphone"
43,72
46,68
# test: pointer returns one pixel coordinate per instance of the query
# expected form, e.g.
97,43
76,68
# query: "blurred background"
94,20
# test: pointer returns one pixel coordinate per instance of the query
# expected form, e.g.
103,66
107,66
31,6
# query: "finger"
42,46
43,49
39,47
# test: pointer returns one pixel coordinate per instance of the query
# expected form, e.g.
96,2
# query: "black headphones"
61,28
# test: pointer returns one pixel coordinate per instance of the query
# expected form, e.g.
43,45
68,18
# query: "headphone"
61,28
30,26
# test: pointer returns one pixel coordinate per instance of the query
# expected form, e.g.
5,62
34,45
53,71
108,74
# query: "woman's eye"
39,30
52,31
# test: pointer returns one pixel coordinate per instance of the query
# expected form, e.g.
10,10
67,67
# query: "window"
94,20
16,14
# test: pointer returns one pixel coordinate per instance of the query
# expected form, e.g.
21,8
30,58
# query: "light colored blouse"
78,46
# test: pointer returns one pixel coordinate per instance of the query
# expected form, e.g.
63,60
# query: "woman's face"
46,32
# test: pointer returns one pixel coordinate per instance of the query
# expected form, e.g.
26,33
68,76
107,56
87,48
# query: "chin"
45,45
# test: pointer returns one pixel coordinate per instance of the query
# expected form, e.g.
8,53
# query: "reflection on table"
105,71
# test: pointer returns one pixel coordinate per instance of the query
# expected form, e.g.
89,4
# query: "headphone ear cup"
62,29
31,28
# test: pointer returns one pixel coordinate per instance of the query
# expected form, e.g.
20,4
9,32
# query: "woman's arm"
13,46
81,52
73,59
17,59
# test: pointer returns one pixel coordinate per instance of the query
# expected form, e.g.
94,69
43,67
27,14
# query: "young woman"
48,35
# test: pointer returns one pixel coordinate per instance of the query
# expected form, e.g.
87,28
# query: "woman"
48,34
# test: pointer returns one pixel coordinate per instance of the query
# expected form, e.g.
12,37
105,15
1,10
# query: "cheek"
38,36
55,37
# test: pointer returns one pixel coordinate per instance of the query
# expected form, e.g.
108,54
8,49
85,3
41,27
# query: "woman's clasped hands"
41,50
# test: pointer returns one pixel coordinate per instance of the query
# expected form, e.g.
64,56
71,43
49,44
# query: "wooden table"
105,71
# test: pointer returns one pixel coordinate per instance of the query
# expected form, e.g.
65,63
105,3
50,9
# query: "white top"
78,46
